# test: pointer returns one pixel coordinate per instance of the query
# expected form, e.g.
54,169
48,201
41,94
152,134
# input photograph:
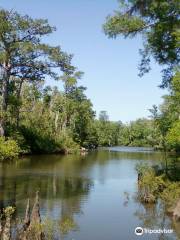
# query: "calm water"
95,194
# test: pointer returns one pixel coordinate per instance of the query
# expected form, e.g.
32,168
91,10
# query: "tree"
103,116
166,117
79,112
25,58
158,22
108,132
175,94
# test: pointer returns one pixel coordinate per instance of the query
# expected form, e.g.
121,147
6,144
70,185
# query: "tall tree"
24,57
103,116
159,24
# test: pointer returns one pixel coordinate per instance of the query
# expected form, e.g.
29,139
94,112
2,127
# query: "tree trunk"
18,107
5,84
2,128
56,120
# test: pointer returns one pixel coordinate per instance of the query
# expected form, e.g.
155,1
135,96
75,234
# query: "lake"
91,197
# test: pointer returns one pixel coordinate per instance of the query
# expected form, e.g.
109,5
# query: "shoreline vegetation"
156,184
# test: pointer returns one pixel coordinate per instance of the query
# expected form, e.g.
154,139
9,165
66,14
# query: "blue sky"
110,66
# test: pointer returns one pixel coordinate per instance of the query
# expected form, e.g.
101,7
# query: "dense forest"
36,118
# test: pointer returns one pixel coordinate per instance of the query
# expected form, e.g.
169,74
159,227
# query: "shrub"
9,149
44,142
38,141
171,194
66,144
150,185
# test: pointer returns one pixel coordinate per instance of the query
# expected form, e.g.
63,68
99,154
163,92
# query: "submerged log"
35,223
32,223
22,234
31,228
27,216
35,215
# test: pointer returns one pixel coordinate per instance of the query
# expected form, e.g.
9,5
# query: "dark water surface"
94,195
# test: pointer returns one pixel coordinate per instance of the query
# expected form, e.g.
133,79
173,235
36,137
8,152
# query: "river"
91,197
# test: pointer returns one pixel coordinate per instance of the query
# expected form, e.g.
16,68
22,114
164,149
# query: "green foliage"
66,144
123,24
175,93
171,194
38,142
150,185
43,119
25,58
142,169
59,121
173,136
91,136
152,182
158,22
8,211
139,133
9,149
40,119
166,118
153,186
107,132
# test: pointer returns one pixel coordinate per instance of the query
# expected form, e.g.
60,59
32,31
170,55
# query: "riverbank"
11,149
156,184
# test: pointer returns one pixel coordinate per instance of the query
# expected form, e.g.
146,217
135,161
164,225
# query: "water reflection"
153,216
86,196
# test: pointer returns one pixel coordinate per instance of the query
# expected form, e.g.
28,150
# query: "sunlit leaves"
123,24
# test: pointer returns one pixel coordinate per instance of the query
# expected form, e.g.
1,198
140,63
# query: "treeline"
35,118
160,131
135,133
